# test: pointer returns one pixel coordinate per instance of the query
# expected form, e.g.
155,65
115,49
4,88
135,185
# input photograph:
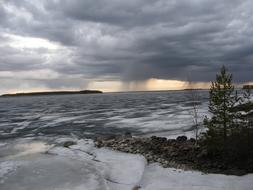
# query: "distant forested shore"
54,93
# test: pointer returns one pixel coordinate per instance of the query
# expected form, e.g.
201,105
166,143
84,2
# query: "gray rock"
69,143
181,138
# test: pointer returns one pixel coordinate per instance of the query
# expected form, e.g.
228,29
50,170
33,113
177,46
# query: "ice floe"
84,167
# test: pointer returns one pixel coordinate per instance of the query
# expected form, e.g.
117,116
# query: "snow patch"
158,178
6,168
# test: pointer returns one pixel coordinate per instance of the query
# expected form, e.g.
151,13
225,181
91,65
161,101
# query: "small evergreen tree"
222,100
229,135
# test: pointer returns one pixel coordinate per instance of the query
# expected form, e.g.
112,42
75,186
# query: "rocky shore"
181,153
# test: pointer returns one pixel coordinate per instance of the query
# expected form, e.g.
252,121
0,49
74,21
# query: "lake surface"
141,113
33,131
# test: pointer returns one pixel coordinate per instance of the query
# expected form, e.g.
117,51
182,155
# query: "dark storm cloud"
132,40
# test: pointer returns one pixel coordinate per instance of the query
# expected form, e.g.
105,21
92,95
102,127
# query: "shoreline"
180,153
76,163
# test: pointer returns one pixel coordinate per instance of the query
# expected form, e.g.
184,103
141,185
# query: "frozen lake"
34,129
149,113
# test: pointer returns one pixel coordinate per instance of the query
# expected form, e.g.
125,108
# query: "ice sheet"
85,167
82,166
158,178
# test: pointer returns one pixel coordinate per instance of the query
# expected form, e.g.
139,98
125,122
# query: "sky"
116,45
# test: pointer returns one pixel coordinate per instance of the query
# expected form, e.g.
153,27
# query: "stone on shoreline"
181,153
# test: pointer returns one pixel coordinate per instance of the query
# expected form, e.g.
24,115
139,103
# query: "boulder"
128,135
69,143
181,138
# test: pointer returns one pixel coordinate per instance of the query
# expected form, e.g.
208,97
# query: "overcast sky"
120,45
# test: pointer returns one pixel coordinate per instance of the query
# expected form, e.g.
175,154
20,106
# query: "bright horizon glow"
148,85
118,86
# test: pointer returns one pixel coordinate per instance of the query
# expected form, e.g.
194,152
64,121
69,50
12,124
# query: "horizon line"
130,91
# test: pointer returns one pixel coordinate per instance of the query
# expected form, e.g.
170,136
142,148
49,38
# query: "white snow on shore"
156,177
84,167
